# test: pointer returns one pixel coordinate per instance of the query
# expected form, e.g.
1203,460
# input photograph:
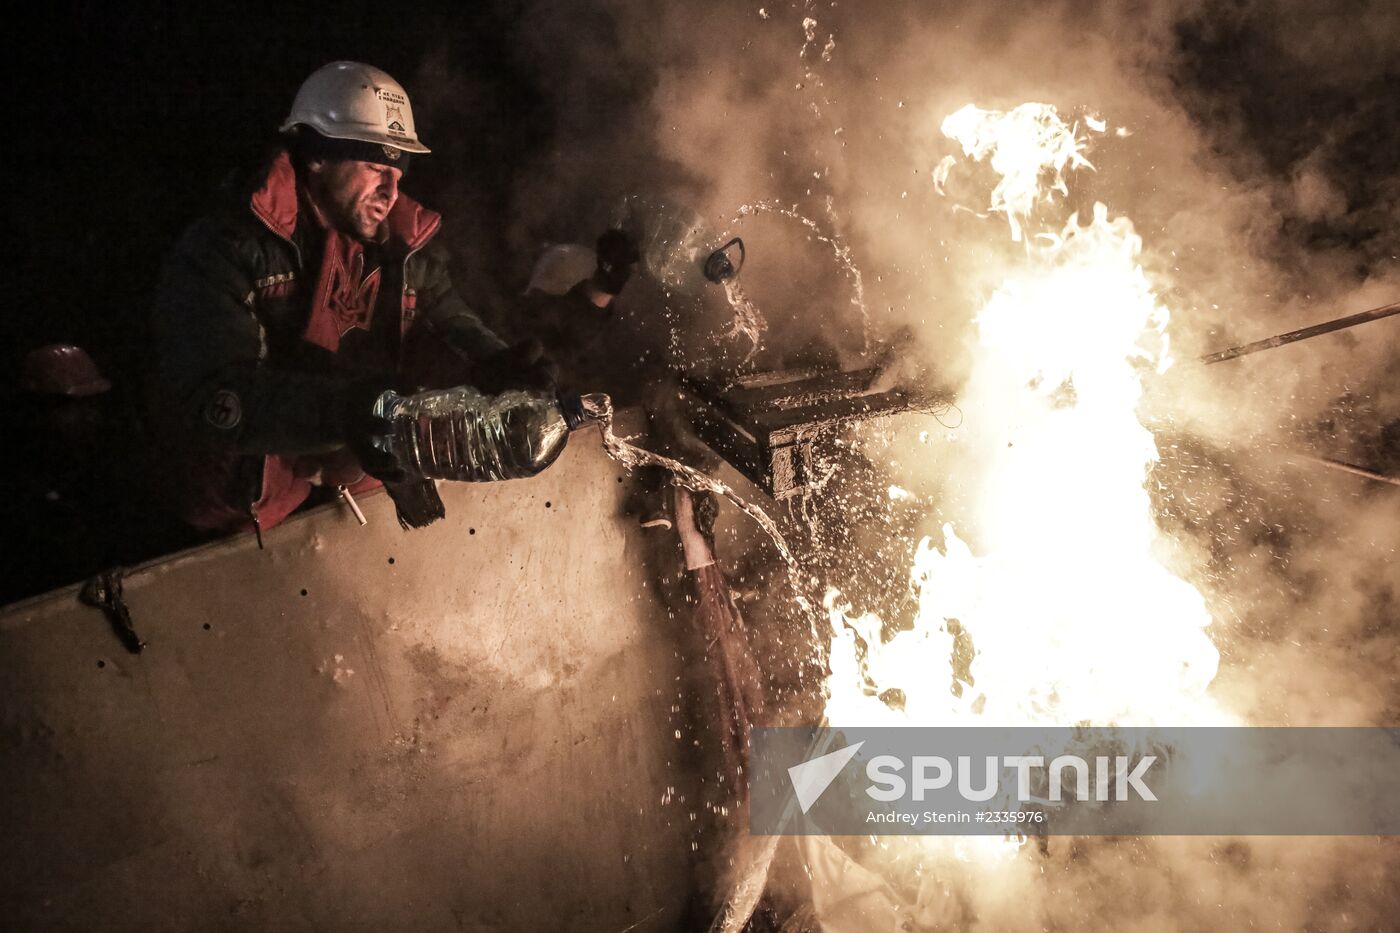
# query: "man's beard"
358,221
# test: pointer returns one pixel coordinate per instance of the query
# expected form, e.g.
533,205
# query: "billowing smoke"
1258,160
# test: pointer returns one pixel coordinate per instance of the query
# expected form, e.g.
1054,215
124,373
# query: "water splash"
809,33
631,456
839,249
748,322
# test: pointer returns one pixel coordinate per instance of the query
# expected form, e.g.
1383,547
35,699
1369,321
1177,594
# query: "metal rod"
1345,467
1303,333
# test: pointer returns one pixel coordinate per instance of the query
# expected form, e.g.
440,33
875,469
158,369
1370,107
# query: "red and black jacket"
250,381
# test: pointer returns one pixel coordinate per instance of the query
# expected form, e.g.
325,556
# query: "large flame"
1060,613
1028,147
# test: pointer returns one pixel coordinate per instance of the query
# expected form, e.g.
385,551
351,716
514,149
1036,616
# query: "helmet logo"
393,117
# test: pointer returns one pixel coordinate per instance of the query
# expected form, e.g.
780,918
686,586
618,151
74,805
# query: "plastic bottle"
461,434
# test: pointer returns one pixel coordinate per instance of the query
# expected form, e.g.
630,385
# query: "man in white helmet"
281,317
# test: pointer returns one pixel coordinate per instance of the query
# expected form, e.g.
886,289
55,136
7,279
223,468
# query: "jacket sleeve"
445,311
211,371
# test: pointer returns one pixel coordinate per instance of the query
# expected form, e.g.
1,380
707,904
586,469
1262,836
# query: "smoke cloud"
1258,161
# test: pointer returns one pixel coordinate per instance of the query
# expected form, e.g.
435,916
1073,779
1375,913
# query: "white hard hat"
351,100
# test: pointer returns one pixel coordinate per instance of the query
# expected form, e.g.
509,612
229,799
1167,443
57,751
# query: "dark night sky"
144,113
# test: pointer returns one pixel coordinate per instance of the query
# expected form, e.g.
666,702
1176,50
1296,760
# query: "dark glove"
522,366
706,506
363,428
617,256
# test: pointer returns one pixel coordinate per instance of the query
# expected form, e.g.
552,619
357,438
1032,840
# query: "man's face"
355,196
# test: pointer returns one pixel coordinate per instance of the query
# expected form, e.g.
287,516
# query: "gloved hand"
617,256
363,428
522,366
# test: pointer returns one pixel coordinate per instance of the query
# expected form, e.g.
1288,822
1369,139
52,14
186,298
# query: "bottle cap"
571,406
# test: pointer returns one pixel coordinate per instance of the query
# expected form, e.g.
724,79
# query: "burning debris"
769,425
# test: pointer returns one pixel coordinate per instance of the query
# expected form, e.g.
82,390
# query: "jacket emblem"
345,295
351,294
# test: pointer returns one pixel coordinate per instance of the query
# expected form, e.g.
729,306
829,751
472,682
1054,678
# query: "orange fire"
1051,607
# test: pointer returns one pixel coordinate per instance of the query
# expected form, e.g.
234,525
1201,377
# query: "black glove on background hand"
522,366
363,427
380,464
617,255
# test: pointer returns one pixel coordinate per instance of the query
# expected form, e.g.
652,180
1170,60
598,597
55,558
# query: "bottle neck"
580,410
571,406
